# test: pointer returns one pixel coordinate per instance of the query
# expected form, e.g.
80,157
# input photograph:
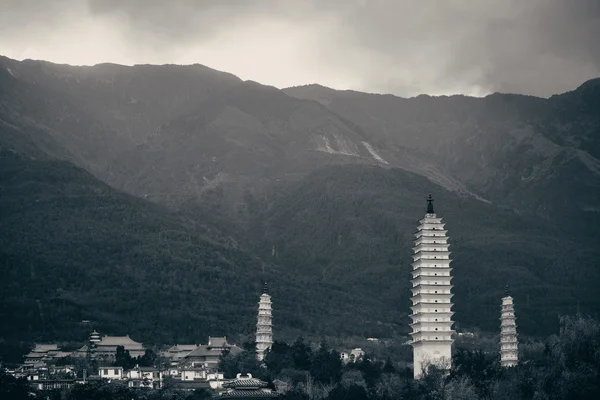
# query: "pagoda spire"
264,324
509,351
430,205
431,295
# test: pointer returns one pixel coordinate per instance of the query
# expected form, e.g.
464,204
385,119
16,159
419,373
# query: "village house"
145,377
111,373
352,355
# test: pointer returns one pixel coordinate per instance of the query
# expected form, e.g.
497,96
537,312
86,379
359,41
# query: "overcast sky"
404,47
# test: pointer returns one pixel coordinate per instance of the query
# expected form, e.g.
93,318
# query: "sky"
403,47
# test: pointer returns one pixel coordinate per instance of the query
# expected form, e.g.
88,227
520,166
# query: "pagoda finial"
430,205
265,288
506,291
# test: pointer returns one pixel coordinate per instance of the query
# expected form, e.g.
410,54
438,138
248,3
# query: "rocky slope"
527,153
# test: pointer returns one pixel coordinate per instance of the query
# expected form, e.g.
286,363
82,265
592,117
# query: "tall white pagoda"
431,295
264,325
509,352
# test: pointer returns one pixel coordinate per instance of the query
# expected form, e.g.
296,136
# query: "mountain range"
154,200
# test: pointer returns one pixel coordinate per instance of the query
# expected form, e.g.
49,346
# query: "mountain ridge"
324,192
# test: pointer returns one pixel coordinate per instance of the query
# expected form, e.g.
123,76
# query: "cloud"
404,47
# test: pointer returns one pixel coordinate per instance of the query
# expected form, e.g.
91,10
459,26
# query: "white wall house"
193,374
111,373
145,377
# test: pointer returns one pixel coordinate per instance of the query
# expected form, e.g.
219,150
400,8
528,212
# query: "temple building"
431,295
105,347
509,352
45,354
247,387
208,356
264,325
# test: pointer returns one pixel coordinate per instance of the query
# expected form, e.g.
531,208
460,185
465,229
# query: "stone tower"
264,325
431,295
509,352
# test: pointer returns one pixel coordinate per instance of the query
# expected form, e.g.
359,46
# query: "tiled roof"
35,355
249,394
44,348
245,382
124,341
204,351
182,347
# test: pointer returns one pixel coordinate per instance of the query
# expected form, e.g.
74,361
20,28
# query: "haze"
404,47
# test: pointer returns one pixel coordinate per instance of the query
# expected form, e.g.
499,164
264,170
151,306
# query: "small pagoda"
264,324
509,351
247,387
432,333
94,339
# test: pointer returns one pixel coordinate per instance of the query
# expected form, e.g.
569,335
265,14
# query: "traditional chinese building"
45,354
264,325
207,356
431,295
178,352
509,352
105,348
247,387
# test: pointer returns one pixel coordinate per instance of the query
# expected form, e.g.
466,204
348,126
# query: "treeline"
568,368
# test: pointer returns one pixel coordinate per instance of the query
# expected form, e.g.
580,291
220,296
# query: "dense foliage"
335,248
569,367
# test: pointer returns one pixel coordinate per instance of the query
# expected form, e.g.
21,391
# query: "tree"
123,358
371,371
295,394
148,359
353,392
13,388
326,366
482,369
278,357
353,377
301,354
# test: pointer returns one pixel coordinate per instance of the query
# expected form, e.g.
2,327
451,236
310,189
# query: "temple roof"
43,348
182,347
249,394
204,351
245,383
125,341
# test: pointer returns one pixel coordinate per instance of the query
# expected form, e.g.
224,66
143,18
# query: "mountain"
72,248
527,153
316,190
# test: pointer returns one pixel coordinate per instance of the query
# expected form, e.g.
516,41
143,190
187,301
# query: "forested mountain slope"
217,184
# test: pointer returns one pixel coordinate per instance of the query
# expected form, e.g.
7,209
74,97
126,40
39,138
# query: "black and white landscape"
156,200
171,192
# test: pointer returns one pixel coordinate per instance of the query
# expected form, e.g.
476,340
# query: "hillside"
216,183
527,153
72,248
354,225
